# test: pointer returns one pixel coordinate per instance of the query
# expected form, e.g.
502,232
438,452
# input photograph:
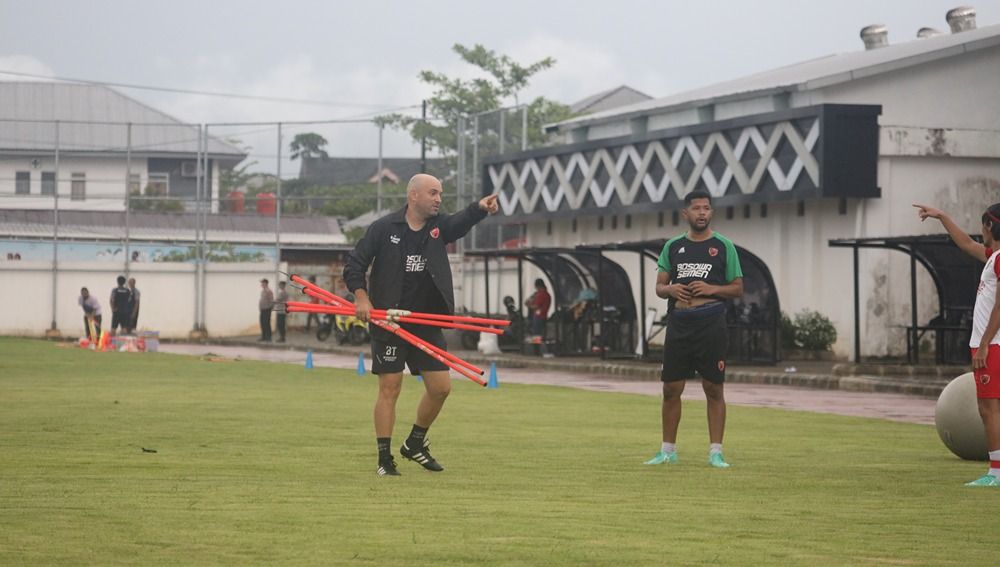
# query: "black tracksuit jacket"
381,247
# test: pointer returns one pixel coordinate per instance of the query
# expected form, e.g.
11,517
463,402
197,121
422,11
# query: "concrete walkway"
891,406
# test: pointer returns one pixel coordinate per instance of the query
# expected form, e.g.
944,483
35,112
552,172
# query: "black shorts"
390,353
696,342
121,319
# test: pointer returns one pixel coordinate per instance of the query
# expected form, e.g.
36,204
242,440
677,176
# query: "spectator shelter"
604,322
955,276
608,322
753,320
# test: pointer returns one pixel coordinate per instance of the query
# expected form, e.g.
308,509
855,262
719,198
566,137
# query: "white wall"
168,296
808,273
105,182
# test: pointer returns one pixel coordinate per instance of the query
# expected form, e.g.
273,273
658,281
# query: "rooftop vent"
962,18
875,36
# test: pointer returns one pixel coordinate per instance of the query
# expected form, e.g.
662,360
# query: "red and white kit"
988,378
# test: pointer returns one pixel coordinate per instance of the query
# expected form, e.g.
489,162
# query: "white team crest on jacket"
394,239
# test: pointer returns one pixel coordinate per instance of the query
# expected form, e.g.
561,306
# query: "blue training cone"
419,378
492,382
309,360
361,363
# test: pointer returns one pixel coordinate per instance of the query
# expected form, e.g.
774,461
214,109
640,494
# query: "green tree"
454,98
232,178
308,144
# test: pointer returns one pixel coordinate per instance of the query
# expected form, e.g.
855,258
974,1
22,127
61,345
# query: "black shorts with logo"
390,353
696,341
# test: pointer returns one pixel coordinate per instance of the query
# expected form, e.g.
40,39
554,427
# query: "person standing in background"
121,307
134,323
91,312
265,304
281,308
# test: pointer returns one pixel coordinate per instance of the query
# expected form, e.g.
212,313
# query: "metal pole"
55,235
277,218
524,127
486,278
913,307
520,292
128,202
460,243
423,139
642,304
600,303
475,156
857,309
199,262
475,172
378,186
206,192
503,124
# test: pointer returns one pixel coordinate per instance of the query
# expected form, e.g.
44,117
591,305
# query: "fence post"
128,207
54,330
277,217
378,185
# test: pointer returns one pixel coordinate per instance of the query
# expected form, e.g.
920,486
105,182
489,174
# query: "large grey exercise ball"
957,419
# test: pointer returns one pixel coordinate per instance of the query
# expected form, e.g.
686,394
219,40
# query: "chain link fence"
188,198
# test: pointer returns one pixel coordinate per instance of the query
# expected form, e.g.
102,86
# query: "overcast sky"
366,55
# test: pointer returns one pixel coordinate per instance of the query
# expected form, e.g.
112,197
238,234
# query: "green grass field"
262,463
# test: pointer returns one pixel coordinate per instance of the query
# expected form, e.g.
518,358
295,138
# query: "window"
548,228
842,206
134,184
676,218
78,186
22,183
659,219
574,225
730,213
600,223
801,210
628,221
763,210
48,183
159,184
746,211
614,222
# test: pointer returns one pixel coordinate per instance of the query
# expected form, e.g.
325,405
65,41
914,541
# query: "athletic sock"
384,451
417,435
995,463
668,447
714,448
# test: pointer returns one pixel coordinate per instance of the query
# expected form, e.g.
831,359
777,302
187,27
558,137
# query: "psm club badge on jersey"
435,232
713,251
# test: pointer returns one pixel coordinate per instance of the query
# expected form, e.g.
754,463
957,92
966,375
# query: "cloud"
24,64
372,89
581,69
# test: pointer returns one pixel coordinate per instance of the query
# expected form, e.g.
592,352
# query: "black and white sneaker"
421,455
387,468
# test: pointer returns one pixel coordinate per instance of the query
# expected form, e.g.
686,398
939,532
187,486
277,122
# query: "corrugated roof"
333,171
809,75
105,225
605,100
92,119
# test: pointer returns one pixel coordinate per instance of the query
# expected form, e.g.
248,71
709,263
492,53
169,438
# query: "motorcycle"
348,329
512,335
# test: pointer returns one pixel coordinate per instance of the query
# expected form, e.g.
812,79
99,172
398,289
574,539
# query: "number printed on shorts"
390,353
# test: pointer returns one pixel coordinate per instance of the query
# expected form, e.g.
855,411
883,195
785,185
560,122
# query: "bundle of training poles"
389,319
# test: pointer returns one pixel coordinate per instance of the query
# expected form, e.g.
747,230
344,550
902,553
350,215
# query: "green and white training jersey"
713,261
